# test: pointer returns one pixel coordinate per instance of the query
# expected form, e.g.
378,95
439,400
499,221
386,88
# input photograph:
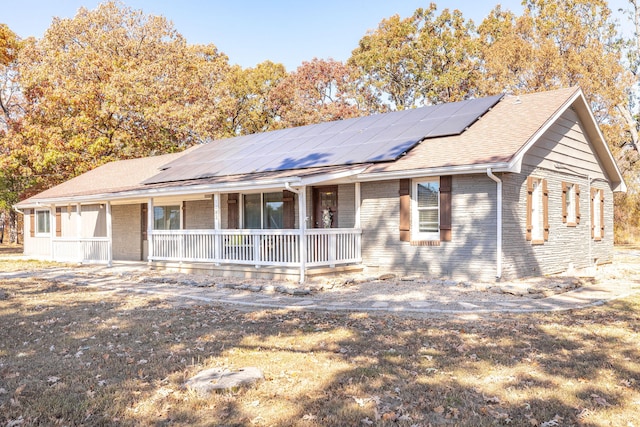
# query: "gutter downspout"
302,220
498,223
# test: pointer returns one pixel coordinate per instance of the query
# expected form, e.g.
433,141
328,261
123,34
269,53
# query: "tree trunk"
2,222
13,227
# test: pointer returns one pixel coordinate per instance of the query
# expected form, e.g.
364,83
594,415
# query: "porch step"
251,272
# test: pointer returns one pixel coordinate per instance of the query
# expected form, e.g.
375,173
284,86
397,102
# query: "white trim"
416,234
433,172
109,236
599,143
186,190
47,212
498,182
358,202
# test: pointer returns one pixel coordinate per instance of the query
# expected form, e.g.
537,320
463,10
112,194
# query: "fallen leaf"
19,390
600,400
495,400
438,409
389,416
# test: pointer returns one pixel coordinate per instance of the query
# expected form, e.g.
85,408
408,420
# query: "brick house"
497,187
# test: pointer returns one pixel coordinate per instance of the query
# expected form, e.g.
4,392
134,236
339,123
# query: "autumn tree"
113,83
319,91
423,59
560,44
250,90
11,109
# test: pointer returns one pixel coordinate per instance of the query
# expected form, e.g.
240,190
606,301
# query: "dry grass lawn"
73,355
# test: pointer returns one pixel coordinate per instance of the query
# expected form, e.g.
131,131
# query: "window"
263,211
252,211
43,222
166,217
273,210
597,214
426,210
570,204
537,210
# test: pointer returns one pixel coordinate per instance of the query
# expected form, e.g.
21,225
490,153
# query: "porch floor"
252,272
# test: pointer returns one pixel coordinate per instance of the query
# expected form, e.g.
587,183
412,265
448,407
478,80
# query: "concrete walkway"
127,278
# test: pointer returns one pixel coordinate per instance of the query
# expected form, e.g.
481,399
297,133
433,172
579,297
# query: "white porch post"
52,229
357,207
109,237
150,229
216,226
79,232
302,220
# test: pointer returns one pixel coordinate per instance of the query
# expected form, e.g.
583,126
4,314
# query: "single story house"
488,188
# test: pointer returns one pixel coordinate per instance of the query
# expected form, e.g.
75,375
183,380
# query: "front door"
325,207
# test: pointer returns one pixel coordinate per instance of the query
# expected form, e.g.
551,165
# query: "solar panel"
375,138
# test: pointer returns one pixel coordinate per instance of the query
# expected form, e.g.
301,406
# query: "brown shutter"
577,203
529,206
545,209
592,196
144,217
32,222
184,215
58,222
405,210
564,202
233,211
445,208
289,210
601,214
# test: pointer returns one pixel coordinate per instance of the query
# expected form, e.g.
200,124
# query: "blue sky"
252,31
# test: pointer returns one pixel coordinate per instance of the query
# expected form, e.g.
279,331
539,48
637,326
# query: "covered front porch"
251,232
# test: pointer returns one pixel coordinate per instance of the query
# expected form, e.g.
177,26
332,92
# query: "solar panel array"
376,138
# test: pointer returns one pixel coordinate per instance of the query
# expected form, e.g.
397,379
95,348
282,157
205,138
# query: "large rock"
218,379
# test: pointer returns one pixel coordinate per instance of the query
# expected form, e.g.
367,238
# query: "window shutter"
564,202
184,215
445,208
601,214
405,210
233,211
529,206
32,222
592,195
289,209
577,187
545,209
143,220
58,222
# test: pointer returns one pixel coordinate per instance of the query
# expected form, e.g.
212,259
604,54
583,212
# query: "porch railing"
86,250
325,247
